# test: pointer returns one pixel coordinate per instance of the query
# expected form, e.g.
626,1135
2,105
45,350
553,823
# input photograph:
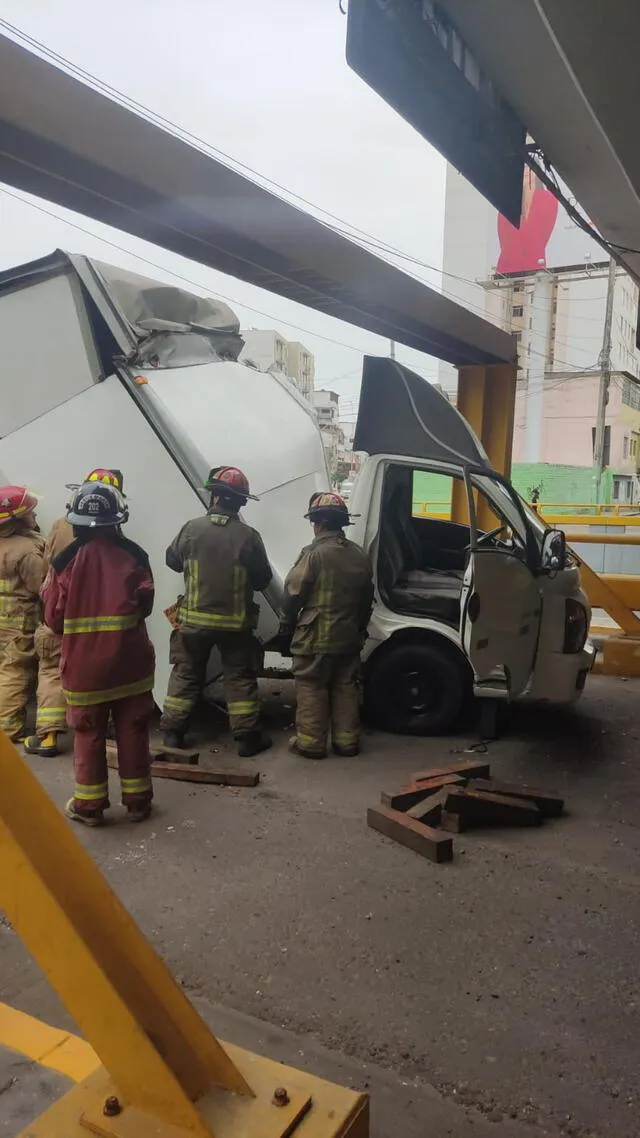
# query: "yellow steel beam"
619,656
602,596
588,538
561,521
160,1060
486,399
626,586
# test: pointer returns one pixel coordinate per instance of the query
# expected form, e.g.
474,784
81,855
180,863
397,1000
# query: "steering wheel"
487,536
490,534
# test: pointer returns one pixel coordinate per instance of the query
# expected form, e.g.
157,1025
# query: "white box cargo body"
65,408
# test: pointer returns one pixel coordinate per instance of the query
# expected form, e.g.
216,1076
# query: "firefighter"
224,562
51,710
328,600
21,575
97,595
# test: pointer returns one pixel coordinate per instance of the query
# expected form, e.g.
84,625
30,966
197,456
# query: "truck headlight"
576,626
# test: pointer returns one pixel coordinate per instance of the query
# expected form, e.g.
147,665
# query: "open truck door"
501,607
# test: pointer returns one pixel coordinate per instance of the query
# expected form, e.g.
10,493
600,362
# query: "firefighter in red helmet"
328,599
224,563
21,575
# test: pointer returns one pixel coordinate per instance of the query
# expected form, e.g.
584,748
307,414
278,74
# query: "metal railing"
602,515
617,593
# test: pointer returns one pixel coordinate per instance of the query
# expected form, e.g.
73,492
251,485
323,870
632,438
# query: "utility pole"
605,380
392,349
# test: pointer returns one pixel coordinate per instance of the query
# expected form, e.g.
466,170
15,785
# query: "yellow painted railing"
600,516
618,594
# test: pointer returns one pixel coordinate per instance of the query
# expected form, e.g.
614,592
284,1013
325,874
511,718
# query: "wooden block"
182,772
479,807
428,810
407,796
452,823
467,768
549,802
422,839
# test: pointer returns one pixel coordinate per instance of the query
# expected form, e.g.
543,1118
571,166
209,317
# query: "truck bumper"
563,677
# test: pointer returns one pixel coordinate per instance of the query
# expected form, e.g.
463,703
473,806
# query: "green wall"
556,483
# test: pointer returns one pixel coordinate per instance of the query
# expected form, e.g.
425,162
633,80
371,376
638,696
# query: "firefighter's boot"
47,747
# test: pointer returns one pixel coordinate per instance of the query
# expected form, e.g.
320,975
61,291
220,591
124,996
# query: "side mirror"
554,550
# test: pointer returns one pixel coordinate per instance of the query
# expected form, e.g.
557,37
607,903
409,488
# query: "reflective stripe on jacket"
97,595
329,594
224,562
21,574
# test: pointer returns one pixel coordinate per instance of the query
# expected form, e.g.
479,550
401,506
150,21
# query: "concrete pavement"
497,993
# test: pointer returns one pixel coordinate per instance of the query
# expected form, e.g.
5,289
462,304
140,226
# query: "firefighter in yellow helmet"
328,600
224,563
51,709
21,577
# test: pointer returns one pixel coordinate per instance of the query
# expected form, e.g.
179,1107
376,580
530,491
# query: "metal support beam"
486,399
66,142
161,1062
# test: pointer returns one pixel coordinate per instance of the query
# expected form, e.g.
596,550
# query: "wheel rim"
416,692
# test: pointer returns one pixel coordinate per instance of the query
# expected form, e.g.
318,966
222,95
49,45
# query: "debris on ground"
449,800
188,768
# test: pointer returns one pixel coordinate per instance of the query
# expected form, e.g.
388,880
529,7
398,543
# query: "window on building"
631,392
518,286
622,489
606,457
518,337
625,447
517,310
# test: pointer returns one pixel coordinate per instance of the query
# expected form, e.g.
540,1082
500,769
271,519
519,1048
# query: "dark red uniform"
97,595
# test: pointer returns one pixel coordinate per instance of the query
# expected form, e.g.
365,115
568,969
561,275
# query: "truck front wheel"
417,688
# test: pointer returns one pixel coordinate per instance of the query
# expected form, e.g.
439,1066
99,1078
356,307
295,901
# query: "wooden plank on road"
429,843
467,768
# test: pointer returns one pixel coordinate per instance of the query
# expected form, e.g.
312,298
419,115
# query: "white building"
486,263
327,409
547,282
301,367
268,350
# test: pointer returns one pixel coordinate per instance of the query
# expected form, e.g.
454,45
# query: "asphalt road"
500,993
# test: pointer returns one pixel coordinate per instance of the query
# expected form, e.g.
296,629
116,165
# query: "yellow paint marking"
59,1050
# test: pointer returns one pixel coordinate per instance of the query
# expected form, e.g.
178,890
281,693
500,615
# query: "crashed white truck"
101,367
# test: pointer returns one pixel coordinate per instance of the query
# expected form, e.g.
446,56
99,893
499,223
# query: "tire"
417,688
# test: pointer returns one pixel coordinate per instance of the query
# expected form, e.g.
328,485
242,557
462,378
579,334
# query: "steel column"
486,399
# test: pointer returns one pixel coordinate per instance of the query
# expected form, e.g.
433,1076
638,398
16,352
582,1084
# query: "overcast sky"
266,82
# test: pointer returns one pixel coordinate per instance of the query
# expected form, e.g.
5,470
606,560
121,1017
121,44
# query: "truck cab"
458,609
